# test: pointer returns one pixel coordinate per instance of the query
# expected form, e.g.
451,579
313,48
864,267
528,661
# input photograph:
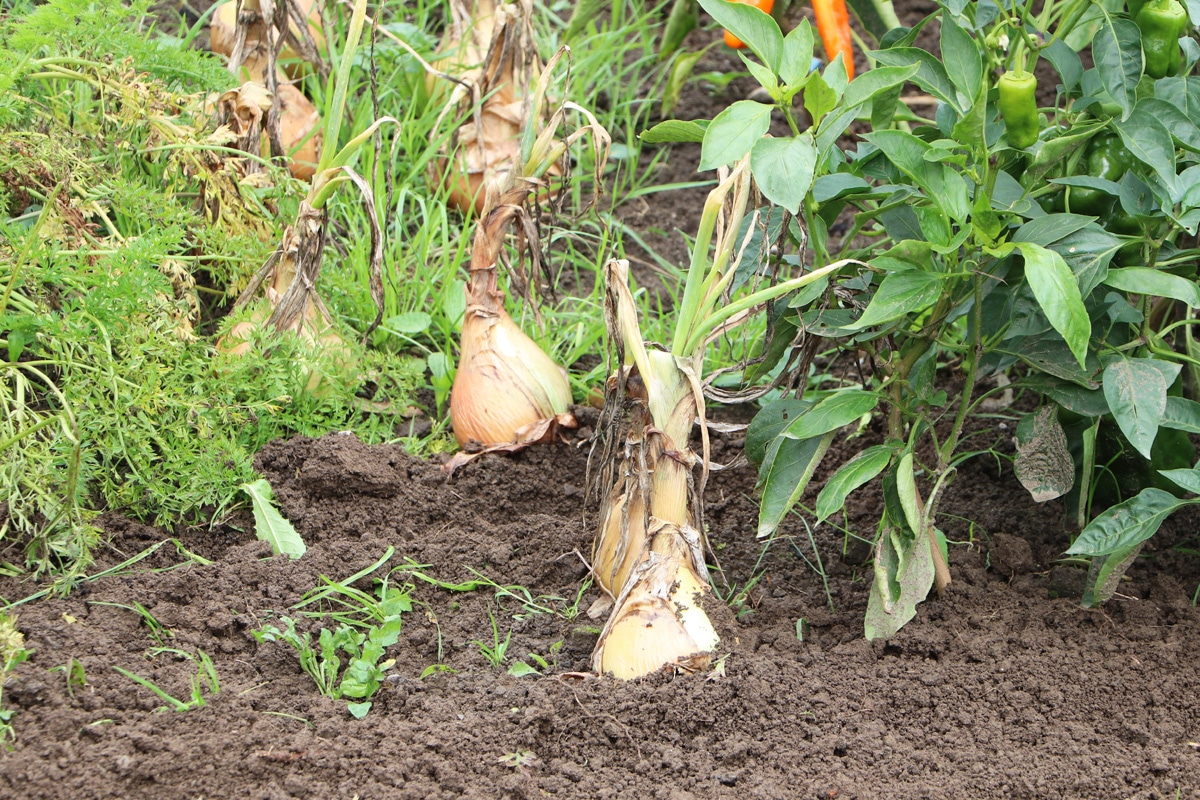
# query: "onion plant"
649,551
288,279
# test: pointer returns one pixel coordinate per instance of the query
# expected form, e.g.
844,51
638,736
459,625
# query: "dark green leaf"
1182,93
1046,230
899,295
1066,62
1181,414
930,76
1057,292
768,423
867,12
1051,355
1126,525
960,54
785,475
870,84
838,185
1117,51
859,470
1176,122
832,413
1143,280
1151,143
1186,479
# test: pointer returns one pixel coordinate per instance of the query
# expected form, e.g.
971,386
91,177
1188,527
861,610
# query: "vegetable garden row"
261,219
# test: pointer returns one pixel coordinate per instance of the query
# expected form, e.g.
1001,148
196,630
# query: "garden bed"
1003,688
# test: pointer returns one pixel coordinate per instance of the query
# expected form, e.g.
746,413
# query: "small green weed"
74,673
364,671
204,682
159,632
367,624
521,760
540,665
499,648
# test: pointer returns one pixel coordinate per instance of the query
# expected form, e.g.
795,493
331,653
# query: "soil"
1003,687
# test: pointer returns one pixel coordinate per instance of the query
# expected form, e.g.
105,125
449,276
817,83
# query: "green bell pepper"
1106,157
1018,107
1162,22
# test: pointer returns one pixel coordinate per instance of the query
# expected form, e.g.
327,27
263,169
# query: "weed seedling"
495,654
12,653
158,632
202,683
75,675
522,761
540,665
368,624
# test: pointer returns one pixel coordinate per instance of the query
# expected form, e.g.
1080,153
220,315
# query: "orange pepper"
833,23
764,6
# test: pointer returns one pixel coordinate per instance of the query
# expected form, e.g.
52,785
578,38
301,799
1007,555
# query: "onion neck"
672,406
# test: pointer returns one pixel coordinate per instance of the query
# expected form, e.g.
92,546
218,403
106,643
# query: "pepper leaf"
1117,51
269,525
733,132
1058,294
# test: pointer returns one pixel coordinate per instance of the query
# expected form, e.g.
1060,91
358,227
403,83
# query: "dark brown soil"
1004,688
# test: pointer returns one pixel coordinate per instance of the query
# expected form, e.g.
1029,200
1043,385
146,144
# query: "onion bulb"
491,52
506,385
245,108
507,393
620,543
659,622
297,118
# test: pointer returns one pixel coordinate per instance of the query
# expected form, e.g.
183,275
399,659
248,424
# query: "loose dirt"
1003,688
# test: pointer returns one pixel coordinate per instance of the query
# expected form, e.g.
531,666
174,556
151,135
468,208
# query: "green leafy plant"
159,632
269,525
496,652
126,227
957,255
368,624
364,671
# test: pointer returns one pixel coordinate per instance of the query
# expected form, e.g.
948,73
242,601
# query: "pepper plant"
1035,234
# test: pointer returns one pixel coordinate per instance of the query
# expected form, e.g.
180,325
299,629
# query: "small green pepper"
1018,107
1162,22
1106,157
